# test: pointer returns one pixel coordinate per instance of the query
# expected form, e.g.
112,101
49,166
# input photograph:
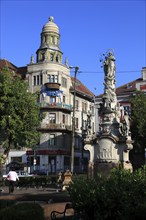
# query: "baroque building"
51,79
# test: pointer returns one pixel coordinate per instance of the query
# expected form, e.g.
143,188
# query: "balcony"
55,128
56,106
55,86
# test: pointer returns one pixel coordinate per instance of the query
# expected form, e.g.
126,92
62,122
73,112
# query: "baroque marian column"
111,145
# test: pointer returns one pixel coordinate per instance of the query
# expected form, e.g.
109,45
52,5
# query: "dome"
50,26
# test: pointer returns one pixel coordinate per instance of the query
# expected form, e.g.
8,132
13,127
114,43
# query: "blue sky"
87,28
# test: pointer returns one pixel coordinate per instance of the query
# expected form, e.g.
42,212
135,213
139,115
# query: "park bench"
62,215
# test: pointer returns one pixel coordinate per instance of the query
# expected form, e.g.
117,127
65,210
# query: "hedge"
23,211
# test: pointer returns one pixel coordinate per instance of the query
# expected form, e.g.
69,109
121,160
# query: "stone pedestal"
105,168
91,170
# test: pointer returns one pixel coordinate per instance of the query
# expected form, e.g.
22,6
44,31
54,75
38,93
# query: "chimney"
143,73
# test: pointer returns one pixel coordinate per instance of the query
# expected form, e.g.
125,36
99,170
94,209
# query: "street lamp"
73,118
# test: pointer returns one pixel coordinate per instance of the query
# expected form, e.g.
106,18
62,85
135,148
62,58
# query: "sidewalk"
35,194
51,199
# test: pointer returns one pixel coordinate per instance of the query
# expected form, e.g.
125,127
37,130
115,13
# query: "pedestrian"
12,177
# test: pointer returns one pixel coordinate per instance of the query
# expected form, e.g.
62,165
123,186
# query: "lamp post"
73,119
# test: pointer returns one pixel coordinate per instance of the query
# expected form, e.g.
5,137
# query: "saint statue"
109,66
109,80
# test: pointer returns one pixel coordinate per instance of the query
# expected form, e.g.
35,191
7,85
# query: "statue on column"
125,129
88,124
109,80
109,66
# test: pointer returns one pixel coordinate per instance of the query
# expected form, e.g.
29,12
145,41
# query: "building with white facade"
51,79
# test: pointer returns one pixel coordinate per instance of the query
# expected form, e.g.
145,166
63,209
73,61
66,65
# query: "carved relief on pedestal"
105,149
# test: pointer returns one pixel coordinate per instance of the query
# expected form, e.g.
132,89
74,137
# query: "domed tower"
51,80
49,50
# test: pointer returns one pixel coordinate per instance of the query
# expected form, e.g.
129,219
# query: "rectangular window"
52,79
52,99
38,80
76,122
51,57
34,80
63,99
52,118
36,158
52,39
64,82
63,119
41,79
46,38
84,106
76,104
49,78
92,109
56,79
52,140
84,124
127,109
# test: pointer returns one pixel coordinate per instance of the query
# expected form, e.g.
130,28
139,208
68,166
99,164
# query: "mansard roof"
81,89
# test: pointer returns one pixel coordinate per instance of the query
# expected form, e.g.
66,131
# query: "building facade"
52,81
57,90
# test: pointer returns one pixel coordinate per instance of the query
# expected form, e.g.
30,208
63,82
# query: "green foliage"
116,197
34,181
19,112
138,125
23,211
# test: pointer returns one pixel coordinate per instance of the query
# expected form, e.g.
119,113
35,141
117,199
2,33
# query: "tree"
138,125
19,113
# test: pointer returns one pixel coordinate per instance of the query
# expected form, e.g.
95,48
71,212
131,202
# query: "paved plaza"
49,198
35,194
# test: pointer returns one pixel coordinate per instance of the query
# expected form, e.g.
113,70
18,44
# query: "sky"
88,29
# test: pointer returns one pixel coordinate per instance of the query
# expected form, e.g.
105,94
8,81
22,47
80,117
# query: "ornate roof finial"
32,59
51,19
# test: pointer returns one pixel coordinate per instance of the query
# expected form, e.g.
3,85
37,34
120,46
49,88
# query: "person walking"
12,177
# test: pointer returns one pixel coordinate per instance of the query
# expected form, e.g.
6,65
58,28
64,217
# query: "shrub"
116,197
23,211
6,203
